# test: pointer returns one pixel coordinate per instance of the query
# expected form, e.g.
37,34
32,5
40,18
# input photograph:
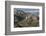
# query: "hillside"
21,21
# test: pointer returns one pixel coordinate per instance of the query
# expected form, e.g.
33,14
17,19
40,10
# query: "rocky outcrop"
22,19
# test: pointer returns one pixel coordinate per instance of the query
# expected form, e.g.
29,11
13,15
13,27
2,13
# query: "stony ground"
27,23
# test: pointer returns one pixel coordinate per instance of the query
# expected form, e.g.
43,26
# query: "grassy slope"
28,23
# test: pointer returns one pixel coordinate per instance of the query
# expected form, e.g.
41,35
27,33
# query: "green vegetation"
21,21
27,23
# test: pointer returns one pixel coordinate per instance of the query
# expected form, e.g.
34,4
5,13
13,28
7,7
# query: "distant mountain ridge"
26,19
23,12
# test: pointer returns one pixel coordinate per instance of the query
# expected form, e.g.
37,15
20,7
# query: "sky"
27,9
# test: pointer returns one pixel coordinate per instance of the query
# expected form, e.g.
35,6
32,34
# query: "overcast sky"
27,9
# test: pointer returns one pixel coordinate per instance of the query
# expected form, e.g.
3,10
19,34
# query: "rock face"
22,19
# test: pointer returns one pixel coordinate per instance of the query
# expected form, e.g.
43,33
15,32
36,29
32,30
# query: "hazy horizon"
27,9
